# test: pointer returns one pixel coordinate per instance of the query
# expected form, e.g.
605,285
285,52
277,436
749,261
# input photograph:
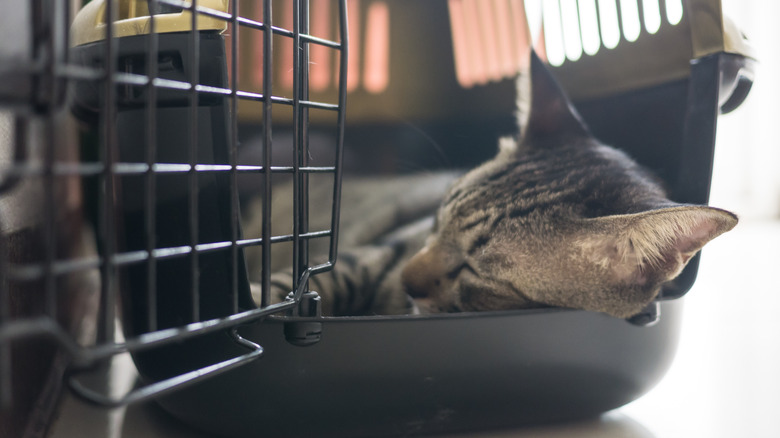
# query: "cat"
555,219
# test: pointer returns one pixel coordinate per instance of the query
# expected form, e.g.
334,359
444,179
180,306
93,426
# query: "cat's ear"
654,246
545,113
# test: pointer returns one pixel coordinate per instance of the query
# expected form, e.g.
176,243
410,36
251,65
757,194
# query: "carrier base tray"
396,376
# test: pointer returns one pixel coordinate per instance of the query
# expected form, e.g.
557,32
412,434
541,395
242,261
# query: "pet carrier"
139,209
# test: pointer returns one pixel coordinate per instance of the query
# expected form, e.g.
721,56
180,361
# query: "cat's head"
557,219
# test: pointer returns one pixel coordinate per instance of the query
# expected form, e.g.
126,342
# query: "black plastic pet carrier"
132,130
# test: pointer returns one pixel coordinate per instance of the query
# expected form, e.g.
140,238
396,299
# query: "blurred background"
746,176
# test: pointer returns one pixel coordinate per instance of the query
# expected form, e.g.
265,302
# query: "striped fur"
384,221
555,219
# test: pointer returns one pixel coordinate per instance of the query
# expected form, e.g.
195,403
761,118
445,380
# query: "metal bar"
232,154
320,41
323,267
341,120
49,197
319,105
284,238
108,225
174,383
193,190
300,67
267,148
300,146
303,155
49,221
208,89
6,380
171,84
35,271
85,357
155,339
299,289
150,209
122,169
247,22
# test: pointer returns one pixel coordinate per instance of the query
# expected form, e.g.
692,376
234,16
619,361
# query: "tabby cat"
555,219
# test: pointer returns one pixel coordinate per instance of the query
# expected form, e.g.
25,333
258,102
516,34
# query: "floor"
725,380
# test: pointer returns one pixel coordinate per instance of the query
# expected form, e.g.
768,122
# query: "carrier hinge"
307,331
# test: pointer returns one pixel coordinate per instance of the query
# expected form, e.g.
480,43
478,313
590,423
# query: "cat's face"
556,219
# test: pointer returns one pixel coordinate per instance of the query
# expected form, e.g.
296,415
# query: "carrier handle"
174,383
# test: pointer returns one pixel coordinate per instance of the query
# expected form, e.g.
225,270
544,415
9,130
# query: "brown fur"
555,219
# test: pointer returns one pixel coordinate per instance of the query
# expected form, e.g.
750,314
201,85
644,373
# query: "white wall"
747,157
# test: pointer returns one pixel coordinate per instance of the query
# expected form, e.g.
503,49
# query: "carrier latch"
307,331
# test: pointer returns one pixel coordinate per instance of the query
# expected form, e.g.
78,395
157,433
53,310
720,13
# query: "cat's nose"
423,274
